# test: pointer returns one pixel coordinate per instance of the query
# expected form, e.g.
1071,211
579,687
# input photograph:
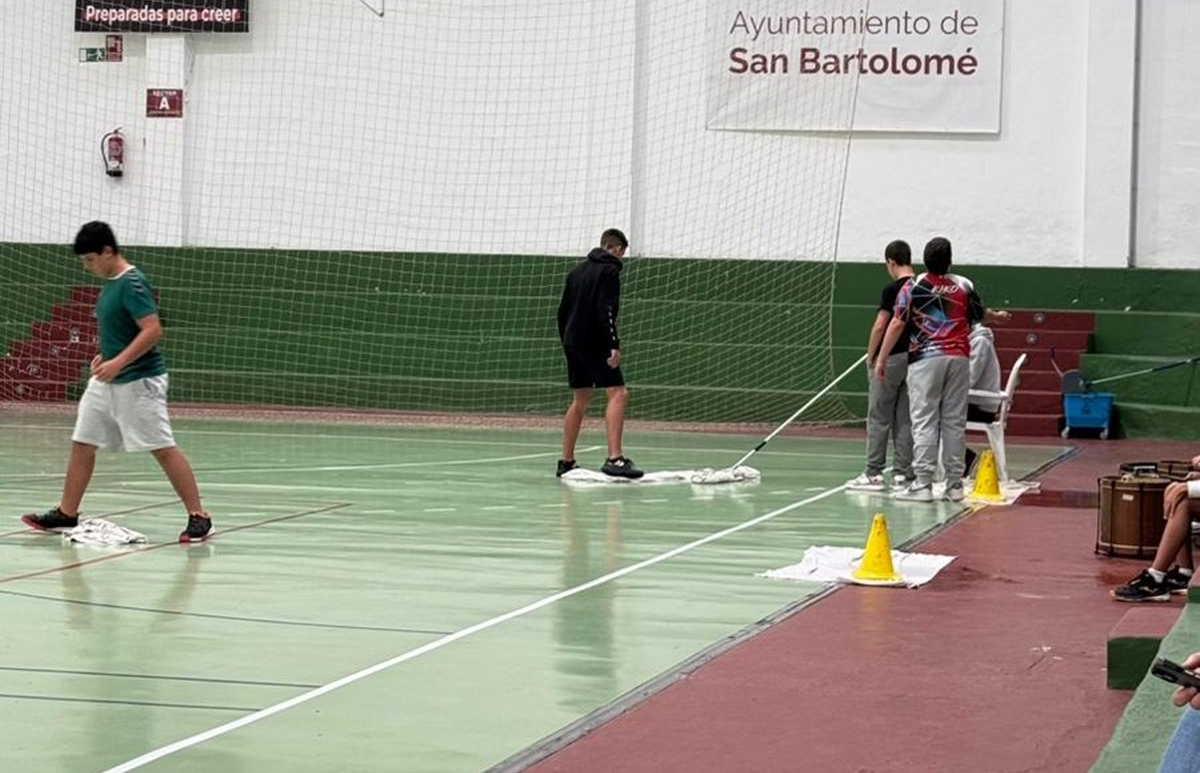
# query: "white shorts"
130,416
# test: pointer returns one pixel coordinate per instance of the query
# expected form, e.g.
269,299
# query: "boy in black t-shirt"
887,411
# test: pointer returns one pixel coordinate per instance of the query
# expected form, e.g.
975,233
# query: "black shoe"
565,465
198,528
1176,581
1142,588
51,520
621,467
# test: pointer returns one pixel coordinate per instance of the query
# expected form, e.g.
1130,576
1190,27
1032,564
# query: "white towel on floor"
830,564
1010,490
98,532
743,474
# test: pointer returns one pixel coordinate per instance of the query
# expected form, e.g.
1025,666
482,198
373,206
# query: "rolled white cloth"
742,474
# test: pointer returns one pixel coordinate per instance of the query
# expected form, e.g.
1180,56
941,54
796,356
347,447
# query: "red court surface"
998,665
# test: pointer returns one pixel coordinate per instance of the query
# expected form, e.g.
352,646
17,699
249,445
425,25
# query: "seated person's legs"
1161,579
975,413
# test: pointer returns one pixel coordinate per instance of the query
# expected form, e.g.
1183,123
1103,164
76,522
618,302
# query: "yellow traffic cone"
876,567
987,481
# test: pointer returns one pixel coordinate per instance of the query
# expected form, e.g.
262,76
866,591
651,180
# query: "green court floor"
388,599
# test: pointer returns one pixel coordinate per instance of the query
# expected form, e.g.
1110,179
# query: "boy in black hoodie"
587,327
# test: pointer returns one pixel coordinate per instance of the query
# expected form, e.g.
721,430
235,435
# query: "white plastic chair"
995,430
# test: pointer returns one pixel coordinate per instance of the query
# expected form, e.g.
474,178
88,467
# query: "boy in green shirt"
125,404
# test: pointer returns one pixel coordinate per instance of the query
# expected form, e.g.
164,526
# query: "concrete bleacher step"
1134,641
1159,421
1052,320
85,294
81,351
1037,406
1039,359
1036,401
1040,380
32,389
73,314
1032,425
1028,339
65,331
53,360
42,368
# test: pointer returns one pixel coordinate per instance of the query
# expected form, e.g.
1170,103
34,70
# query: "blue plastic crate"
1088,410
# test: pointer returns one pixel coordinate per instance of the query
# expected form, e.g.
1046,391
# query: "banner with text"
871,65
162,16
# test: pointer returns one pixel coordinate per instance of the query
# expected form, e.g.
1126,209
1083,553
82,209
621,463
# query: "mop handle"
1159,369
803,408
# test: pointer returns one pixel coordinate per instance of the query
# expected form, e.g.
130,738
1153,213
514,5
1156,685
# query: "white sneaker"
914,493
902,481
954,494
865,482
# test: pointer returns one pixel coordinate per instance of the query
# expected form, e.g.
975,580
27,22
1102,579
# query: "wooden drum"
1172,469
1175,469
1131,516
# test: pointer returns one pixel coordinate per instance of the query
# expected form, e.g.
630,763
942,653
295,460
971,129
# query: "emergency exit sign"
164,103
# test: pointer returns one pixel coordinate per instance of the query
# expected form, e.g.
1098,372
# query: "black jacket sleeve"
608,302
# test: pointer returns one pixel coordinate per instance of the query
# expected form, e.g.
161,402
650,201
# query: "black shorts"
587,368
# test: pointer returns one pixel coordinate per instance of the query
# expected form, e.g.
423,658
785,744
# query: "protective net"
374,204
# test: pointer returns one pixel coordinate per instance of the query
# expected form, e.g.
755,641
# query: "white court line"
208,484
331,468
249,719
399,437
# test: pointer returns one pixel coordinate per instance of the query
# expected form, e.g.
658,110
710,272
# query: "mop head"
707,476
98,532
740,474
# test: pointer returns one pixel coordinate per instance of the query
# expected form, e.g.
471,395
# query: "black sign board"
162,15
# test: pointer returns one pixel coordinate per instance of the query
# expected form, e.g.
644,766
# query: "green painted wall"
705,340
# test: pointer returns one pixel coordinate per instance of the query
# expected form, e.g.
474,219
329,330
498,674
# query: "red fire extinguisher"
112,149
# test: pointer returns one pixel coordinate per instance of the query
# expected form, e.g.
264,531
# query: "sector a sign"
162,16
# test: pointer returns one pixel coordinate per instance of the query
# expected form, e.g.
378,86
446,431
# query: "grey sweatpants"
937,396
888,414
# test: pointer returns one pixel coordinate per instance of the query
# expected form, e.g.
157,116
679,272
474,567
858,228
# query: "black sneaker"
1176,581
51,520
565,466
198,528
1142,588
621,467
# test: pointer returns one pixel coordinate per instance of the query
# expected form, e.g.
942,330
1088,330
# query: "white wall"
529,125
1168,224
53,112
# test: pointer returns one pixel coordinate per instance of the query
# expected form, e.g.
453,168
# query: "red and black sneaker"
51,520
199,527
